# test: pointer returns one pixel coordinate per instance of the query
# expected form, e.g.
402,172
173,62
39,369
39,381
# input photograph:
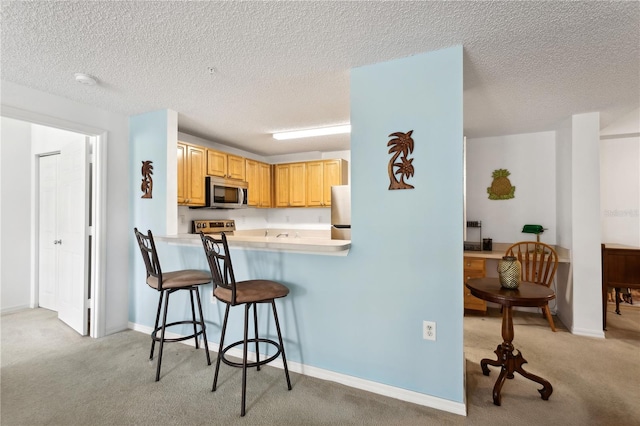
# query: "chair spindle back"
539,261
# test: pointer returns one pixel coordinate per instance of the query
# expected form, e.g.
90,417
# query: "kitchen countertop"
296,242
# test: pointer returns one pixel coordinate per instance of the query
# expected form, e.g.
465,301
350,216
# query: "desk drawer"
473,264
472,274
473,268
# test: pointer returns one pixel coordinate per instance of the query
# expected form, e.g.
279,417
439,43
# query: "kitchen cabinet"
191,174
265,184
290,185
321,176
473,268
225,165
258,177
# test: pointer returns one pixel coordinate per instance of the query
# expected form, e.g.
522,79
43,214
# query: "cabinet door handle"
57,241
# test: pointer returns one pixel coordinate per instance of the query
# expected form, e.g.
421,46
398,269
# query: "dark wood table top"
527,294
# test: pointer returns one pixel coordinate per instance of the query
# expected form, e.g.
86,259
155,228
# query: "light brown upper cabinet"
321,176
290,185
265,184
191,173
259,179
225,165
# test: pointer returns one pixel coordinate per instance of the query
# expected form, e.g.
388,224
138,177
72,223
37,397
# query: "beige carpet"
51,376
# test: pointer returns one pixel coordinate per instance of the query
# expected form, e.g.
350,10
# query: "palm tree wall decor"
400,164
147,181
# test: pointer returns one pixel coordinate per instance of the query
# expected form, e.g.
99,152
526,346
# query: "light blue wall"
361,315
147,141
408,243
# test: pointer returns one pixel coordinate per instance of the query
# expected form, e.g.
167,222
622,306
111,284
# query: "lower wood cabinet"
473,268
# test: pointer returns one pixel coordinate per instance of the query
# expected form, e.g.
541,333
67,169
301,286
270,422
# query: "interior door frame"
98,212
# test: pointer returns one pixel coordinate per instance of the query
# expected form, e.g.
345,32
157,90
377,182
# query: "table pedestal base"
510,364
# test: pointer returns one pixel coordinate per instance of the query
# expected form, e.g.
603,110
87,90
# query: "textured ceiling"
285,65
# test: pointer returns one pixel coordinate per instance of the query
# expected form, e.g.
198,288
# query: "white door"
48,232
73,236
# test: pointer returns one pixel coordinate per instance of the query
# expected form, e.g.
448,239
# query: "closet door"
48,234
73,236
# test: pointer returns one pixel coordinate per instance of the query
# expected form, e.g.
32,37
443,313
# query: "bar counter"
295,241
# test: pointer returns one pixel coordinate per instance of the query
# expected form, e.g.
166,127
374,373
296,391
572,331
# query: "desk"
620,269
528,294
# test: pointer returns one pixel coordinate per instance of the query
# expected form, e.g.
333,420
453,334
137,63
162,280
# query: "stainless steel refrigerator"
341,212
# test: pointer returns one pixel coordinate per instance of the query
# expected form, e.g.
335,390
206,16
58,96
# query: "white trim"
12,309
587,332
98,292
344,379
620,136
48,120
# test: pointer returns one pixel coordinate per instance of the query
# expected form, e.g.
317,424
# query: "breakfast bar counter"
294,242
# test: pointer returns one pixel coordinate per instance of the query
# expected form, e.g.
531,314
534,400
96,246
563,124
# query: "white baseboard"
587,332
344,379
11,309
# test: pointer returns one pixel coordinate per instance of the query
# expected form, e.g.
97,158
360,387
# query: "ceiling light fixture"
85,79
323,131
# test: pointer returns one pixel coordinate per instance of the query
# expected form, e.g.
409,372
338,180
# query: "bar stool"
168,283
248,293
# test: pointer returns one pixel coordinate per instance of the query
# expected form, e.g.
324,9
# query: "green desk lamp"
533,229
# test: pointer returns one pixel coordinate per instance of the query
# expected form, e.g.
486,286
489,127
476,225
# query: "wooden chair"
539,264
168,283
248,293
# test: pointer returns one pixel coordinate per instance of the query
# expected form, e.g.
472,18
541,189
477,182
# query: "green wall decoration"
501,188
401,145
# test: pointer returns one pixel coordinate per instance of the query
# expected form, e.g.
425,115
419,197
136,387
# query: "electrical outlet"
429,330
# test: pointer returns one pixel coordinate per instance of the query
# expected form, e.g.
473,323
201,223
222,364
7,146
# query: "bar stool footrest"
252,363
154,334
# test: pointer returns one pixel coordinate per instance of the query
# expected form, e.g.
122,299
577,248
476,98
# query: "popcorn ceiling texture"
285,65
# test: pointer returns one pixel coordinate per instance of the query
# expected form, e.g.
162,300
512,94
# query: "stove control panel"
214,226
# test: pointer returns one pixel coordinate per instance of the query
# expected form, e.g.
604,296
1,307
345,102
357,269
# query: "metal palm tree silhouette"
401,146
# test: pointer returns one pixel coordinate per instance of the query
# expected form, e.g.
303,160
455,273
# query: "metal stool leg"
164,324
255,323
284,358
204,327
224,330
193,316
244,359
155,327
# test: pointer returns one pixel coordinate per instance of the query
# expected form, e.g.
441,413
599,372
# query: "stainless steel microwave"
226,193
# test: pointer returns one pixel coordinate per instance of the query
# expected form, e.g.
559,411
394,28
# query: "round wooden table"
528,295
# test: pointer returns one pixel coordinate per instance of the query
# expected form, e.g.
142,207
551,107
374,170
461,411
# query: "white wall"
51,110
530,158
15,206
564,234
620,181
586,253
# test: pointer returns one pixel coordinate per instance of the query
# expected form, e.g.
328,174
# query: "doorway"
93,235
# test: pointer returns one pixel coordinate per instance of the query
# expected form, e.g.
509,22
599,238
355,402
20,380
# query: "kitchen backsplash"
250,218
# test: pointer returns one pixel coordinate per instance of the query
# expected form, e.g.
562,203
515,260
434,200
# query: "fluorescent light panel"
323,131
